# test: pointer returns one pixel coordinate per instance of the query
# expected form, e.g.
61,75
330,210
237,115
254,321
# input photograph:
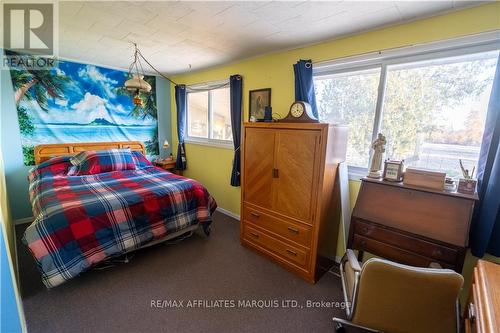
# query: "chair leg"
340,325
337,323
339,328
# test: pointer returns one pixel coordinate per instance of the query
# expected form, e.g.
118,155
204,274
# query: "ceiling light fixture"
136,84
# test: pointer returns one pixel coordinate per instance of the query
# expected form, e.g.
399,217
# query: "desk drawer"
394,253
407,242
290,231
287,252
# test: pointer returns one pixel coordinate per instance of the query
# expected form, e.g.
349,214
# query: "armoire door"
296,159
258,166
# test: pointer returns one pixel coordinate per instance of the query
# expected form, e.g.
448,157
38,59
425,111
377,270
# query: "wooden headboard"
45,152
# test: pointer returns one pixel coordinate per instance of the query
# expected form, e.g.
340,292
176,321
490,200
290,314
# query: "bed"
81,221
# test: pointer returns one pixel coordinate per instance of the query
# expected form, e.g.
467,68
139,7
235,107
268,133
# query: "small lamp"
165,147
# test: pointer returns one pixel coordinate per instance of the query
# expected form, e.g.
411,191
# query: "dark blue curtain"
236,93
485,230
180,102
304,84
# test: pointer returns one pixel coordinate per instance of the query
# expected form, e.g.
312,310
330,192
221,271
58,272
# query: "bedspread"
83,220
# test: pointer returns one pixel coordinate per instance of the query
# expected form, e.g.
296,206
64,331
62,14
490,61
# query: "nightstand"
168,165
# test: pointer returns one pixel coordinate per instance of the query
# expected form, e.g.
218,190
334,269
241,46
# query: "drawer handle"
293,253
364,230
254,234
471,312
295,231
438,252
254,214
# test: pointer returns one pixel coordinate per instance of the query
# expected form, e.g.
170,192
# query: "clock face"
297,110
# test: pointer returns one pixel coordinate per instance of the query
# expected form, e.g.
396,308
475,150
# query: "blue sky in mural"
91,107
90,94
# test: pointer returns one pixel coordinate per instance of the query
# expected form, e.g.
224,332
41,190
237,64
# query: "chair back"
397,298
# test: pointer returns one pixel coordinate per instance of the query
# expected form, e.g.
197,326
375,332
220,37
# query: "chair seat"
392,297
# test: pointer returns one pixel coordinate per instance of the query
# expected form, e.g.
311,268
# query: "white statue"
378,147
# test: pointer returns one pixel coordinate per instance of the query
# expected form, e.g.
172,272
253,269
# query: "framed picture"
393,170
258,100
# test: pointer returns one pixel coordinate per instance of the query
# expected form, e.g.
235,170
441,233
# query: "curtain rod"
479,38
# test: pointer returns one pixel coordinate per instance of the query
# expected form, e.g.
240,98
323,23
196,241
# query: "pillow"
56,166
91,162
140,160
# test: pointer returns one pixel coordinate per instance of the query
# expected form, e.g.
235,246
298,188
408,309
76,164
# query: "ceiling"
179,36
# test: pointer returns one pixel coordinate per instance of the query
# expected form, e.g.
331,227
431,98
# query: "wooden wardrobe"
289,210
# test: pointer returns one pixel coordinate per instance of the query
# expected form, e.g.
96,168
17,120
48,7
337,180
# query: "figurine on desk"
378,147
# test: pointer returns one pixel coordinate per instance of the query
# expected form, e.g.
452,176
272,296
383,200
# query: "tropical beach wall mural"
75,102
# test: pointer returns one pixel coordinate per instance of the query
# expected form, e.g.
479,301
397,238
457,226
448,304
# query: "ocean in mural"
76,102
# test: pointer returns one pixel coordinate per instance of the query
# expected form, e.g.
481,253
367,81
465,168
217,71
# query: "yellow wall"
212,166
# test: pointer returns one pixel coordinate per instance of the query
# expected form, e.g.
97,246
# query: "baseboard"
23,220
228,213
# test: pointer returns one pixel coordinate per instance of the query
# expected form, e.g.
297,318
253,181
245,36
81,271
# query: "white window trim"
207,86
484,42
210,142
479,43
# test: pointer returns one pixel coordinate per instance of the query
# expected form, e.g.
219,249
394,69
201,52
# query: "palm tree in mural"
148,109
37,85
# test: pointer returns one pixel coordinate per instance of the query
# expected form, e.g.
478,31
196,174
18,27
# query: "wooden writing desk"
411,225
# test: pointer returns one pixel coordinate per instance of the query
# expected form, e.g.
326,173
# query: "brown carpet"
215,268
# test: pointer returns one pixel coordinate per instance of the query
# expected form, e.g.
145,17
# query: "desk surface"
423,189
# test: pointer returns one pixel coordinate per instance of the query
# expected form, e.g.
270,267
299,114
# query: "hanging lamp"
136,84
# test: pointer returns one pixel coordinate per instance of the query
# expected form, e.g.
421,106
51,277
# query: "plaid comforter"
83,220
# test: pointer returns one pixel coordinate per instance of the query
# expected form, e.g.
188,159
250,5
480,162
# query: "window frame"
469,45
209,87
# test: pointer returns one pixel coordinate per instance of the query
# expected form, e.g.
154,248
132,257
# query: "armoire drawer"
285,251
291,231
406,242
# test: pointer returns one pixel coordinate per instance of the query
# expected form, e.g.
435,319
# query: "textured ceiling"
179,36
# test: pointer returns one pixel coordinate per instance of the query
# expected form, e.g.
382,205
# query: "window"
431,108
209,117
350,98
197,109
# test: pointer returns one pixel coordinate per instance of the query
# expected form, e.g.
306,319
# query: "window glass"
434,111
221,116
350,98
197,116
432,115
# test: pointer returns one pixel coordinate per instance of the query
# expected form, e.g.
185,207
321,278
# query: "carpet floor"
216,270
